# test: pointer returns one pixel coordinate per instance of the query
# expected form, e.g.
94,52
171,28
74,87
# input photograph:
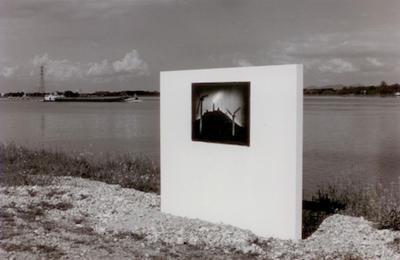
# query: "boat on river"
54,97
134,99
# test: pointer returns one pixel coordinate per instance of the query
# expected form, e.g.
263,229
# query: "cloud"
374,62
337,65
362,51
131,63
242,62
58,69
40,60
361,56
355,45
64,70
98,69
8,72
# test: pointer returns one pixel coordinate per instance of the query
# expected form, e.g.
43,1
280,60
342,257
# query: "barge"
62,98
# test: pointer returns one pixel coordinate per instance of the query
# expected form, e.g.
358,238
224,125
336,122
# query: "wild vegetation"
373,202
23,166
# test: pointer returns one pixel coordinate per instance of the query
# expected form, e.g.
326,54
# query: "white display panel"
254,183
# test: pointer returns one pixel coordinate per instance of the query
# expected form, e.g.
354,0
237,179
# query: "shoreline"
30,171
79,218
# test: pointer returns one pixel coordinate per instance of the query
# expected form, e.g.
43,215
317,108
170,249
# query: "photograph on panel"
221,112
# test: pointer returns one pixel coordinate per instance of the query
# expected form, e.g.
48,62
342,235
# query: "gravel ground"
77,218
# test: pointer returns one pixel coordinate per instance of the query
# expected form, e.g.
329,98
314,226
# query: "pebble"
114,209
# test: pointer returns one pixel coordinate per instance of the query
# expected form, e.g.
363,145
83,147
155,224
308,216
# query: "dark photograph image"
220,112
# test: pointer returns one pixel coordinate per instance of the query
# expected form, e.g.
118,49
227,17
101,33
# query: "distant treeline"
126,93
383,89
70,93
380,90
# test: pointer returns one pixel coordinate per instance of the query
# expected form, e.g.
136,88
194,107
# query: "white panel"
256,187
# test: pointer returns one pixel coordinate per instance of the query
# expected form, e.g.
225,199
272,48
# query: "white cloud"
242,62
337,65
58,69
40,60
361,44
64,70
98,69
374,62
338,53
131,63
8,72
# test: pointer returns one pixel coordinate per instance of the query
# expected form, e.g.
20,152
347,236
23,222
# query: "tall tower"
42,88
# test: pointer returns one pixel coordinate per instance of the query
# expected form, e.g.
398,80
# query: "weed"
374,202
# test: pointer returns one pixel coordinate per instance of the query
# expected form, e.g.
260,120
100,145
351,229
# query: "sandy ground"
81,219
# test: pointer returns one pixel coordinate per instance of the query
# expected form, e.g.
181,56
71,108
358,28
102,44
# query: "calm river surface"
344,137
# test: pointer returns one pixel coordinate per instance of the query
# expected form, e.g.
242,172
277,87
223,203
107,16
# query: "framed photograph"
221,112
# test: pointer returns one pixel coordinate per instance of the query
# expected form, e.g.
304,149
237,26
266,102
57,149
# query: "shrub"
373,202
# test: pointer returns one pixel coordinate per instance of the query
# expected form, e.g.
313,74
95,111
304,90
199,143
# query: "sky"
224,97
91,45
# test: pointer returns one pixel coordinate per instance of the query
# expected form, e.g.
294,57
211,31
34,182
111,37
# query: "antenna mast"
42,88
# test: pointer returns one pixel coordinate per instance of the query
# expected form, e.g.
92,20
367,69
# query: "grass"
23,166
373,202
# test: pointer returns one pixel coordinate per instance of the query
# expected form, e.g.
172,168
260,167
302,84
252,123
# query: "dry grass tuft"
373,202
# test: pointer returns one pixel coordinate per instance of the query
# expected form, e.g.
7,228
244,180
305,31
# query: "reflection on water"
42,126
351,137
343,137
96,129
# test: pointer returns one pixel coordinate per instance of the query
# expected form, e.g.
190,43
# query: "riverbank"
77,218
35,172
24,166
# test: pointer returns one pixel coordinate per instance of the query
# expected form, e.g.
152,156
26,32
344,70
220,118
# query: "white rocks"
353,235
110,209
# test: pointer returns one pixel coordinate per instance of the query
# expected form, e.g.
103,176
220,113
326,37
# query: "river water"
344,137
